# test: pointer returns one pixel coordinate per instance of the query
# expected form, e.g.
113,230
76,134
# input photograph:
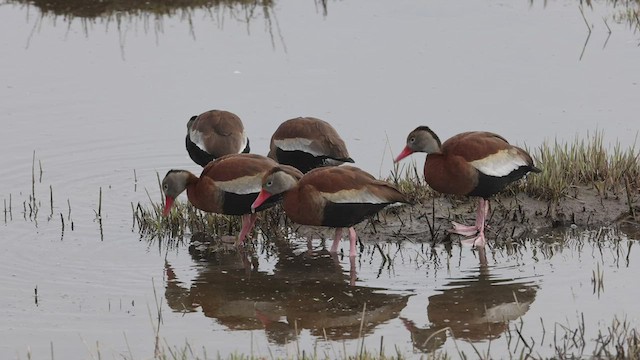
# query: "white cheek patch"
299,144
196,138
501,163
242,186
354,196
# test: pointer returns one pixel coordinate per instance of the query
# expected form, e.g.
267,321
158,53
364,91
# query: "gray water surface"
103,102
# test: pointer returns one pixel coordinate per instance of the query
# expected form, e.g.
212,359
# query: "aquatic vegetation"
567,167
628,12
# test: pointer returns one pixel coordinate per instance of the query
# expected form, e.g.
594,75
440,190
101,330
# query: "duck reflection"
476,307
307,290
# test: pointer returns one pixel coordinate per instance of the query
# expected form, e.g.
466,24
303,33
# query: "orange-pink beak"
405,152
262,197
167,207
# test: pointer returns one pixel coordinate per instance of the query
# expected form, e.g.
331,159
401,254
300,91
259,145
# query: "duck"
475,163
228,185
337,197
307,143
213,134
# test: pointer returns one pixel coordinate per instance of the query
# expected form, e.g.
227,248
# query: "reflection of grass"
152,14
566,339
628,11
98,8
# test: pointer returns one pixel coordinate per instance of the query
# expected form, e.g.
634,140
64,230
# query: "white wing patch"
504,312
499,164
244,143
332,162
299,144
354,196
196,138
242,186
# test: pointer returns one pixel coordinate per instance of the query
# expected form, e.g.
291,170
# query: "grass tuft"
582,163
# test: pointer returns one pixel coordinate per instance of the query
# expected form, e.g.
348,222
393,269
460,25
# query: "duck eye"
165,187
413,139
269,183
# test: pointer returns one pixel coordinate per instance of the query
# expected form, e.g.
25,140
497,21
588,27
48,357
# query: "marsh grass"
182,220
618,340
567,167
629,13
31,206
407,177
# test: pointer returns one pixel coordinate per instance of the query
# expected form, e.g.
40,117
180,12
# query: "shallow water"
104,107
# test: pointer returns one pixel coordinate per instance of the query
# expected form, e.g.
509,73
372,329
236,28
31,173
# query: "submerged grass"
182,220
618,340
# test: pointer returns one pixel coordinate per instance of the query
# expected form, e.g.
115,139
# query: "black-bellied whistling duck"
227,185
307,143
213,134
336,196
476,163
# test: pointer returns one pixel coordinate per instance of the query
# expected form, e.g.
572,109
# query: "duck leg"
248,220
464,230
336,240
352,242
469,230
481,217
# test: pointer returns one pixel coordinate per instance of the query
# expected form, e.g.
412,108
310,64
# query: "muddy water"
103,104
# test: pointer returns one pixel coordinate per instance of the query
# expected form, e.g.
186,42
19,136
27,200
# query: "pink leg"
464,230
248,220
481,215
469,230
480,240
336,240
483,209
352,240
